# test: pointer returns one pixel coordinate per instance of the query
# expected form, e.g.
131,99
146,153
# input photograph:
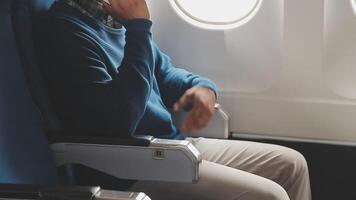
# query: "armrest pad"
139,141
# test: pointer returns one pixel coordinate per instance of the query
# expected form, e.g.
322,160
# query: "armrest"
217,128
150,159
144,141
8,191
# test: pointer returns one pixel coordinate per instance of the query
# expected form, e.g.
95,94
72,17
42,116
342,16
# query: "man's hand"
123,10
203,101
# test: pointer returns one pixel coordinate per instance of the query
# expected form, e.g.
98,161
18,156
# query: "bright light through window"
216,14
353,3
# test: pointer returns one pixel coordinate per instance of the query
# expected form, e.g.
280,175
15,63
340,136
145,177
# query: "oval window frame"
190,18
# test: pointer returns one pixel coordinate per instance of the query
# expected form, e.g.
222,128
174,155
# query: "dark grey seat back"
24,152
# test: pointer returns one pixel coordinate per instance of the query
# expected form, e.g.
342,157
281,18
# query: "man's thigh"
216,182
274,162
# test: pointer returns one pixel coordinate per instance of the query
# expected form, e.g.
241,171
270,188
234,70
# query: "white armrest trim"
117,195
163,160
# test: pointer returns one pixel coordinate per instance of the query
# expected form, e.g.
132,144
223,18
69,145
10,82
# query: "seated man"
107,76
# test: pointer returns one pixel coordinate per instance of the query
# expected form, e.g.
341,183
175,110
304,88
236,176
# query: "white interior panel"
254,51
290,71
340,47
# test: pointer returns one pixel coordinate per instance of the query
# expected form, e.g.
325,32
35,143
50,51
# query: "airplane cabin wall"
290,71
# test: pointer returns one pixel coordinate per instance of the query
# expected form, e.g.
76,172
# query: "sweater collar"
94,9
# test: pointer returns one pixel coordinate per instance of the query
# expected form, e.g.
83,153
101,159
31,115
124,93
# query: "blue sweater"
110,82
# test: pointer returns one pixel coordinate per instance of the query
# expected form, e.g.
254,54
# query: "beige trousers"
239,170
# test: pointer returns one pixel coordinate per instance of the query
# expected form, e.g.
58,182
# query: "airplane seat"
25,157
144,158
25,14
27,169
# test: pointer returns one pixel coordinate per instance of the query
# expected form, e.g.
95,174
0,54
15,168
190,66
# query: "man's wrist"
138,25
213,90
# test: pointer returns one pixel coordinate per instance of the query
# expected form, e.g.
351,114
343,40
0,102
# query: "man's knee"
295,165
270,191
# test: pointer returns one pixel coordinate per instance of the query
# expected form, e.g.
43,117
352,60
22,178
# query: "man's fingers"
203,101
188,124
197,119
183,101
190,121
110,2
108,8
125,10
202,118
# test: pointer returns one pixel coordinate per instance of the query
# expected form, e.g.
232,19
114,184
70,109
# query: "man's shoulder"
64,17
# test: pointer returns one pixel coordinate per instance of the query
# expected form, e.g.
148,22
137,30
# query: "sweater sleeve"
173,81
91,99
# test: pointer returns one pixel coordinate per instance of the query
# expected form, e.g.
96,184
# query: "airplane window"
353,2
216,14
